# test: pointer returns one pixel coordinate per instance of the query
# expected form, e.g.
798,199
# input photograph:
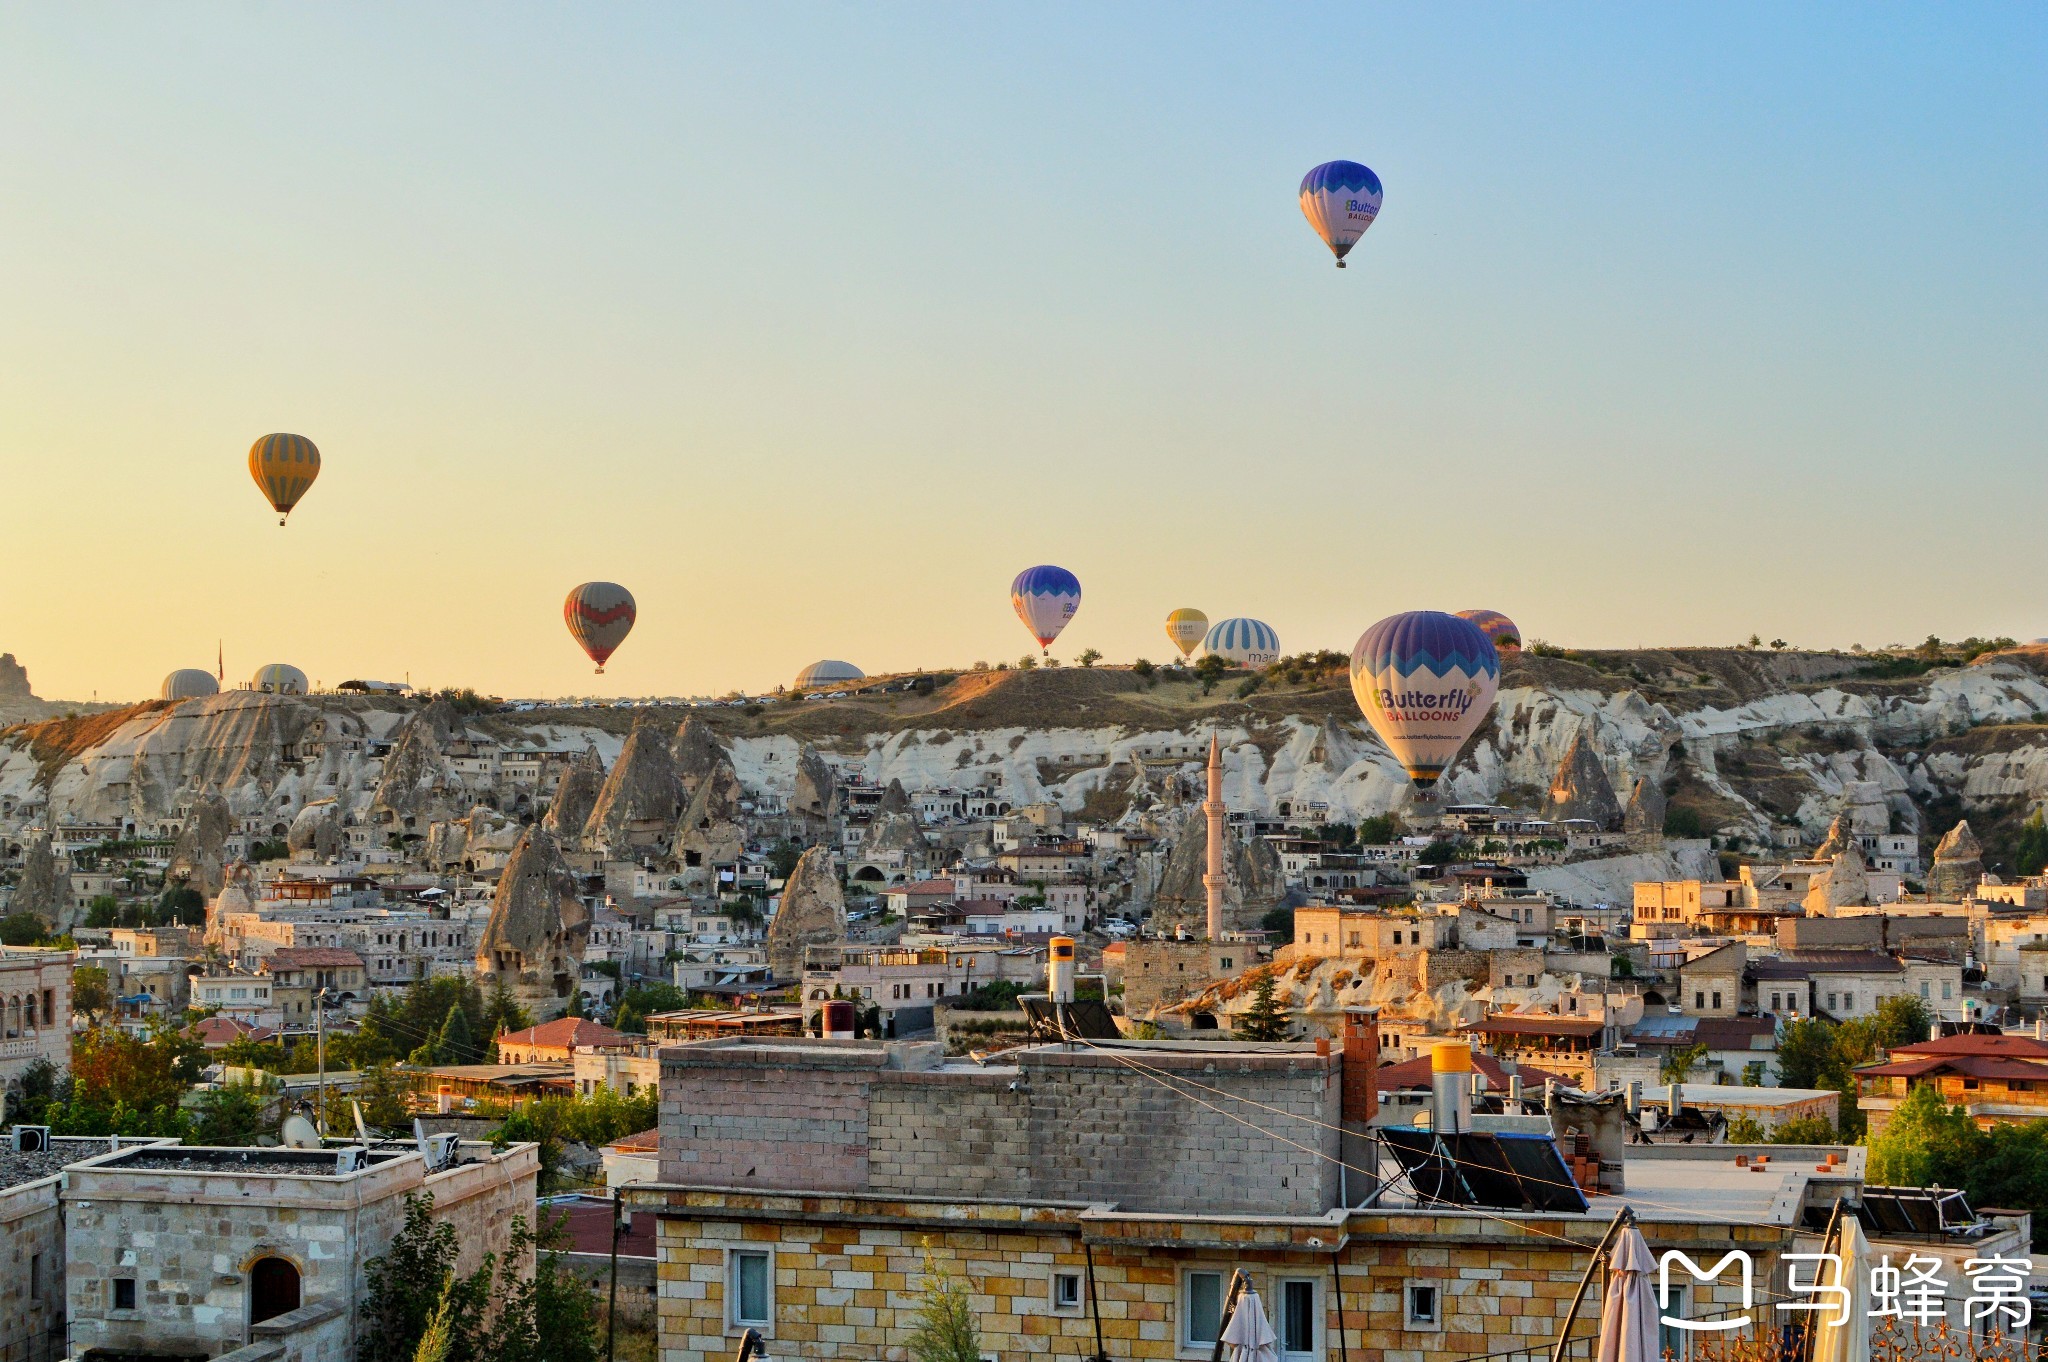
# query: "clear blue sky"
814,324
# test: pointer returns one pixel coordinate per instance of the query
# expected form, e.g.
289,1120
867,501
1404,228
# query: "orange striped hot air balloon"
284,466
600,615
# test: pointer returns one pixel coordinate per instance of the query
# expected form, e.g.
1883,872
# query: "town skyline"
1650,302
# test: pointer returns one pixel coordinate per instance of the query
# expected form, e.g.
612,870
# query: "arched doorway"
273,1289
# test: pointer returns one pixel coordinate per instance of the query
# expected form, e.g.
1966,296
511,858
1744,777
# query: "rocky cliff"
1763,748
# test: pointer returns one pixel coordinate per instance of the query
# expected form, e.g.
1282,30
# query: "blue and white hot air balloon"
1340,199
1045,598
1243,642
1425,681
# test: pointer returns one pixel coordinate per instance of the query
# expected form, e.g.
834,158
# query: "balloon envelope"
189,683
284,466
1340,199
279,678
1187,629
1425,681
1496,626
599,615
827,670
1243,643
1045,597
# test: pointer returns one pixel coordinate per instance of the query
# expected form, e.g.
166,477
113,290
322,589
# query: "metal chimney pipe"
1635,1097
1675,1100
1450,1065
1515,1091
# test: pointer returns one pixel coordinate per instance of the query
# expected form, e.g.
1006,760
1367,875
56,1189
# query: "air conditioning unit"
351,1160
31,1139
440,1151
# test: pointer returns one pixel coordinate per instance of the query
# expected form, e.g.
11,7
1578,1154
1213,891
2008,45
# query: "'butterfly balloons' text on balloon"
599,615
1340,199
1425,681
1045,597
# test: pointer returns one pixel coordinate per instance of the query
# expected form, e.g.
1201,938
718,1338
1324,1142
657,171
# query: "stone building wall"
847,1273
32,1244
31,983
1514,967
188,1237
1160,973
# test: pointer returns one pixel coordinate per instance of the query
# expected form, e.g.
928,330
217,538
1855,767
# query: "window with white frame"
1201,1308
1422,1306
750,1288
1297,1322
1066,1292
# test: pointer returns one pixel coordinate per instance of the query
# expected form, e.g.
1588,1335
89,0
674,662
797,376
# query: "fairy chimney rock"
1580,789
813,913
1958,865
534,940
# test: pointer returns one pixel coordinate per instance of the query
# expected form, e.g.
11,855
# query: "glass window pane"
1204,1306
1297,1317
753,1287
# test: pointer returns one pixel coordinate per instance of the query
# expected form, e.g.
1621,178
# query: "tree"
230,1115
1900,1019
39,1085
1265,1019
1438,853
181,905
384,1095
1745,1130
1247,687
1753,1074
1807,1056
1807,1130
1380,829
22,929
1210,670
1026,662
1143,669
1278,924
782,861
945,1320
103,910
1089,657
502,1012
1928,1143
1678,1065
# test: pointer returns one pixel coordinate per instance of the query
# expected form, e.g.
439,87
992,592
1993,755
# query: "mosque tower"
1212,810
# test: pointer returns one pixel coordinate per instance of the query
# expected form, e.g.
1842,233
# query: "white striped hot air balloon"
1243,642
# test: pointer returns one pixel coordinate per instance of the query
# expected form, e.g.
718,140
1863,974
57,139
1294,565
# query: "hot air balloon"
1425,681
279,678
1045,597
825,672
1187,628
1340,199
600,615
1496,626
1244,643
189,683
284,466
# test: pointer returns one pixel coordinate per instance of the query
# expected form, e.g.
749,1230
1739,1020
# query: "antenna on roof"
362,1127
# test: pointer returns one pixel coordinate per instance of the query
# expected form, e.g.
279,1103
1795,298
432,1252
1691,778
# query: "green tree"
41,1084
1210,670
91,993
1381,829
1753,1074
782,861
1143,669
1807,1130
1278,925
1807,1057
1744,1130
181,905
1438,853
22,929
232,1115
1027,662
456,1043
1678,1065
1089,657
1927,1143
945,1318
1265,1019
2030,846
384,1095
1900,1019
103,910
502,1012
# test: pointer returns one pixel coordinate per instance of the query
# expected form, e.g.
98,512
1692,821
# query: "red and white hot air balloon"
599,615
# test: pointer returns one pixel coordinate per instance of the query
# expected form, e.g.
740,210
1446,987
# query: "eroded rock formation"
45,887
537,930
816,797
575,798
1254,882
13,679
1958,865
199,857
696,751
711,831
1643,820
1580,789
813,913
636,810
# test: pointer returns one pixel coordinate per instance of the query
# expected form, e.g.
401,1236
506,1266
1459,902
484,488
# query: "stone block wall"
1159,1126
847,1277
31,1268
1513,967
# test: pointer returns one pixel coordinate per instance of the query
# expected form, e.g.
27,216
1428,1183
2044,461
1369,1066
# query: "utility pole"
611,1309
320,1056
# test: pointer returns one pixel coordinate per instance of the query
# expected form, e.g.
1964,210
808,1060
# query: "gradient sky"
813,325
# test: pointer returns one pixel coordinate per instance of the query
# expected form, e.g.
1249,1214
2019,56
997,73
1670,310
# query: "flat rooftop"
279,1162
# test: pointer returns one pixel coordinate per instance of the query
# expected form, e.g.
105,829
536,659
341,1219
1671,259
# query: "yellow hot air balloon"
1187,629
284,466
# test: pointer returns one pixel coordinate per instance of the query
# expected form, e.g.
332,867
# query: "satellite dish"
362,1130
298,1133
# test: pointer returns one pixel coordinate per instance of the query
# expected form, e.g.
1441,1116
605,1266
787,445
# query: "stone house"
1084,1193
1710,985
35,1011
32,1242
177,1250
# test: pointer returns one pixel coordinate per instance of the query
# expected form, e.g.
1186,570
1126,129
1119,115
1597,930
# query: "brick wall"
1157,973
768,1116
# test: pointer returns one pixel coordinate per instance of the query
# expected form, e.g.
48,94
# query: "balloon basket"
1340,264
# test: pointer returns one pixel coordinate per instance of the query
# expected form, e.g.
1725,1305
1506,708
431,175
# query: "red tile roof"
1969,1066
566,1033
215,1033
646,1142
1535,1024
1977,1044
1415,1074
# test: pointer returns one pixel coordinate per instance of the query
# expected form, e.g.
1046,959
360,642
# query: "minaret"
1212,810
